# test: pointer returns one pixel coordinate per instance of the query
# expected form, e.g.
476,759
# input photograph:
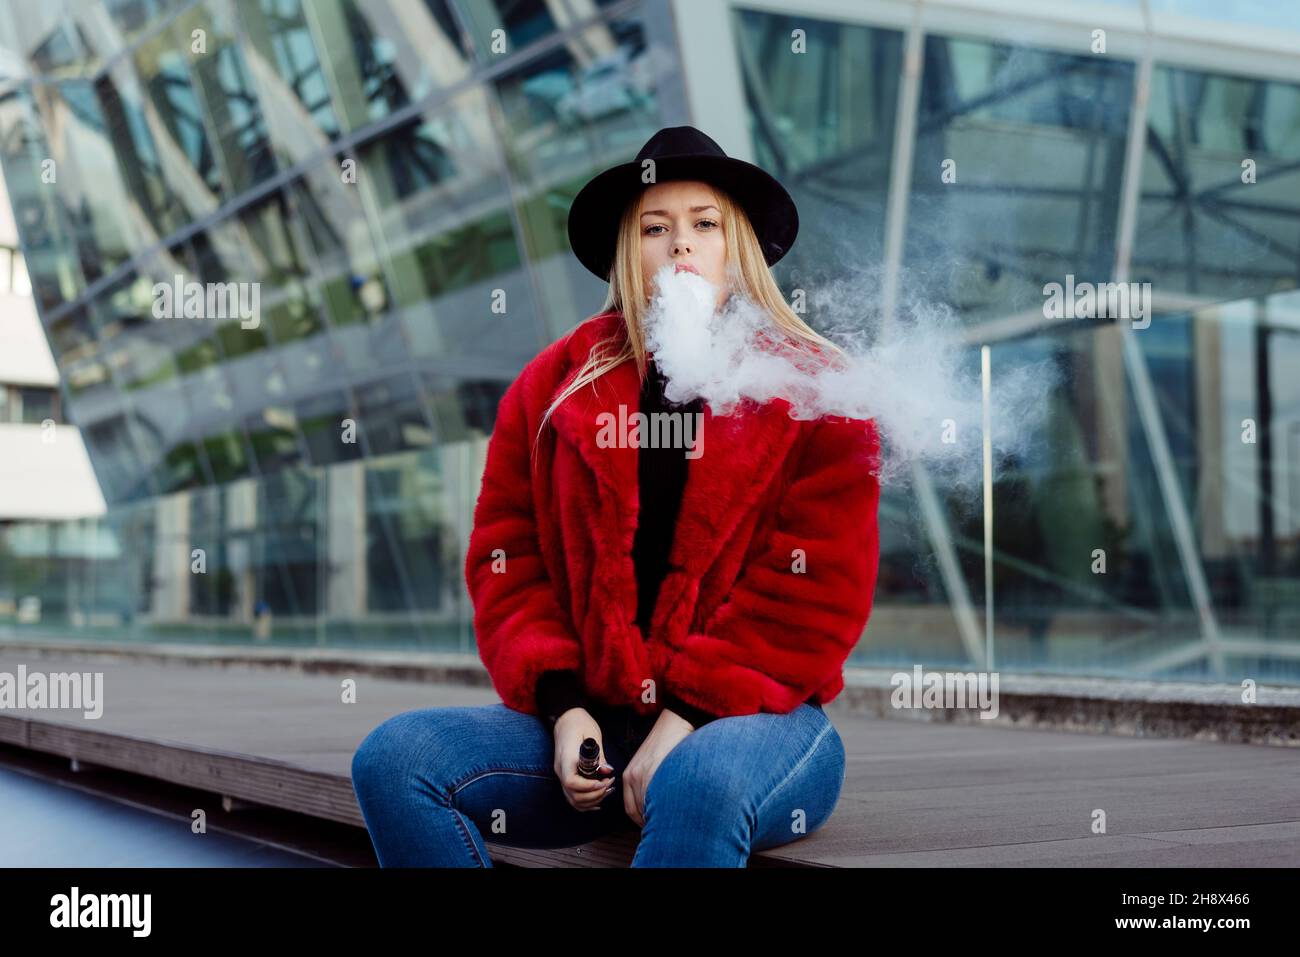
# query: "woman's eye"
659,226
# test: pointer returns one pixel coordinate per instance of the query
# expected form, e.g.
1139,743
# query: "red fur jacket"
773,564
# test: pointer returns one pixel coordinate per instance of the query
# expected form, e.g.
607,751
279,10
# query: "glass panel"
227,454
60,52
51,255
1202,229
329,428
133,17
392,415
163,67
822,122
131,123
72,338
289,299
182,467
222,255
284,58
912,617
1230,402
229,99
273,433
1096,487
350,282
1086,490
144,350
97,44
520,23
443,210
385,54
567,115
384,579
96,204
409,492
166,430
288,541
1035,141
463,409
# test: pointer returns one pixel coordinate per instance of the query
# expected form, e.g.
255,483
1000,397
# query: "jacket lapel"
740,455
742,452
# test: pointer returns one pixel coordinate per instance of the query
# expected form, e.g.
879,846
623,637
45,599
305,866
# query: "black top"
661,474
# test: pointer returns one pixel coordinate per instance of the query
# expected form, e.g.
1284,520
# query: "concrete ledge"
1206,712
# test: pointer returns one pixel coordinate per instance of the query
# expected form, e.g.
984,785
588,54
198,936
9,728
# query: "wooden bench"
933,792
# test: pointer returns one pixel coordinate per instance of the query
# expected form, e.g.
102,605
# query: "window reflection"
290,77
463,409
134,16
388,53
1037,139
230,102
96,204
290,303
273,434
1203,228
164,71
520,23
51,255
443,211
329,428
565,116
117,457
836,162
165,428
352,286
131,122
227,455
392,415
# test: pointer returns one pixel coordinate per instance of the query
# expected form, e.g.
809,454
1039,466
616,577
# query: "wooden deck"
916,793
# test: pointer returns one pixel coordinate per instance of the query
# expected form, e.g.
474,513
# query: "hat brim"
598,208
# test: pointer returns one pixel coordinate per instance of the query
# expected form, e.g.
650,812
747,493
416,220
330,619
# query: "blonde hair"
748,273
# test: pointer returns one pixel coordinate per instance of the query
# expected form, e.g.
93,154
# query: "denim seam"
474,776
482,772
464,833
798,764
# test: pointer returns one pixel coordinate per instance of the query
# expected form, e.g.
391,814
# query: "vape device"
589,760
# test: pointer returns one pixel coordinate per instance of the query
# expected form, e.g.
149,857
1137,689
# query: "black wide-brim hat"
679,152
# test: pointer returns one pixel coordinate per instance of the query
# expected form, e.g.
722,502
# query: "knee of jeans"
386,753
708,788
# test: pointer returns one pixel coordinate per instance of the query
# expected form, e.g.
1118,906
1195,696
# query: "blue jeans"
432,782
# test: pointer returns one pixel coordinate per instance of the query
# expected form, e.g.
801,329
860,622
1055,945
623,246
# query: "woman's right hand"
574,727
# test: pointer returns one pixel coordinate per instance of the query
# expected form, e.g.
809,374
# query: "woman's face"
682,224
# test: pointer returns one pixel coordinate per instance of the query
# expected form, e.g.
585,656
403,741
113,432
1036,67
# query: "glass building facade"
396,176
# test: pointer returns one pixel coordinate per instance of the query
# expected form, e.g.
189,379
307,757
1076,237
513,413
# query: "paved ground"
916,794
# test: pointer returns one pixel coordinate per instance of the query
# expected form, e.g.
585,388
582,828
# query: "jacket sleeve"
520,628
784,632
697,717
557,692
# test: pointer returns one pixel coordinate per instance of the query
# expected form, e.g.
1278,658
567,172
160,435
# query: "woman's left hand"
667,732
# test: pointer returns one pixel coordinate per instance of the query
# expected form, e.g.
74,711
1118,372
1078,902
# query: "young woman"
689,609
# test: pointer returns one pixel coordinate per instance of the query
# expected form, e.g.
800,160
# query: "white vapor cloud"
920,382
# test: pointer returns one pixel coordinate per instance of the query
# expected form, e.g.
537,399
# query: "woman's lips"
686,267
